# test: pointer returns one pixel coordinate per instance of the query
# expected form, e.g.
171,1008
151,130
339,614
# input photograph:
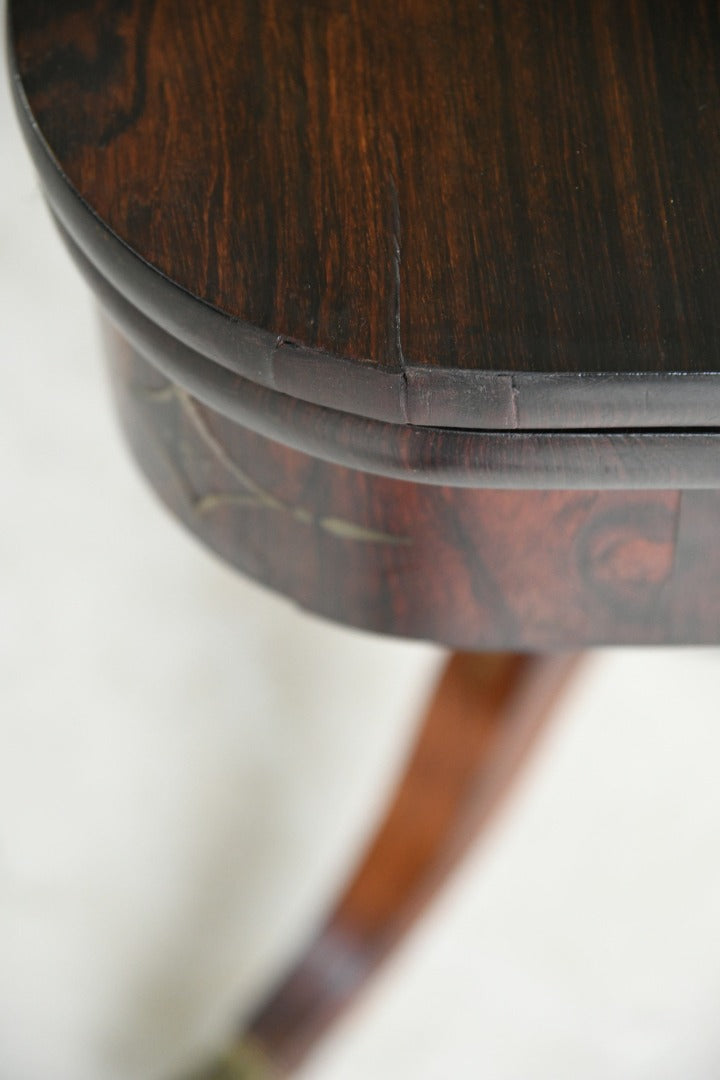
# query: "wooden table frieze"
476,569
411,315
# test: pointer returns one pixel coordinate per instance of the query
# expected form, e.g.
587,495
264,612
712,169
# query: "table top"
476,215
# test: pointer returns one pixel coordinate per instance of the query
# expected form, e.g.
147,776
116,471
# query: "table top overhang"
474,216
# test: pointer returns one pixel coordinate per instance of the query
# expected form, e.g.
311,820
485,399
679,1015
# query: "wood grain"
484,716
363,261
470,215
470,568
586,460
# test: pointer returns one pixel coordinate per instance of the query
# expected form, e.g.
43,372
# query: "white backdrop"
188,765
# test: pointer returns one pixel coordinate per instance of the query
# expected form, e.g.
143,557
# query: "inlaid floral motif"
253,495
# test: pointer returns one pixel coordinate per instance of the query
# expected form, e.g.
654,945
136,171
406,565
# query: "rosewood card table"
413,315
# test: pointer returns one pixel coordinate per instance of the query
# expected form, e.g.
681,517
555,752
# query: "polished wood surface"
497,215
471,568
483,717
582,460
412,317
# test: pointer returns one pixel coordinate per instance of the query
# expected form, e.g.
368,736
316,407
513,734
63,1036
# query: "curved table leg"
481,721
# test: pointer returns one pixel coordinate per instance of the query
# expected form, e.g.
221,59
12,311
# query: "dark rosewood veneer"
412,314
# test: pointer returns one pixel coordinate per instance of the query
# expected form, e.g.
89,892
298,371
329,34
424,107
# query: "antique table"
412,315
